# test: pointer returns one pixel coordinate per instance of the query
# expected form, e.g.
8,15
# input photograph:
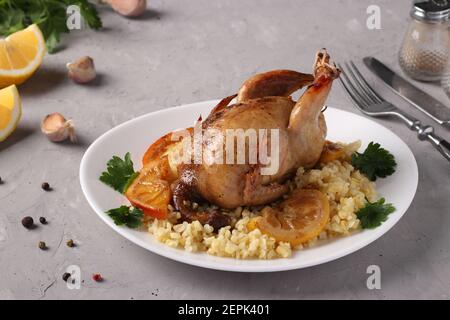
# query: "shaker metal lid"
433,11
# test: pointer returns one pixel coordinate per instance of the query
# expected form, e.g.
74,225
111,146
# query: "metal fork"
369,102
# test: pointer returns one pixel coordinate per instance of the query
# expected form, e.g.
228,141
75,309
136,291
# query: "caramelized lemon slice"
298,219
21,54
331,152
150,191
10,111
163,146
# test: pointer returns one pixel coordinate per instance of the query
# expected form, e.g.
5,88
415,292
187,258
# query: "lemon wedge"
10,111
21,54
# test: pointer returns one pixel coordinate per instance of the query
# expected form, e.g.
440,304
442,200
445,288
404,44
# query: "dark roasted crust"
184,190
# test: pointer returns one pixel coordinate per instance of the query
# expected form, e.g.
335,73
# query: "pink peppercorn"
97,277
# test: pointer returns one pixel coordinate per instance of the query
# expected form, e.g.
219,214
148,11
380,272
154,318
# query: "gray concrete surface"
182,52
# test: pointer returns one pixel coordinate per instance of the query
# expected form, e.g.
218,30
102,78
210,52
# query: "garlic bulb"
128,8
82,70
57,128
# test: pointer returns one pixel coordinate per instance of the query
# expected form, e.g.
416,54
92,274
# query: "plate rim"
168,253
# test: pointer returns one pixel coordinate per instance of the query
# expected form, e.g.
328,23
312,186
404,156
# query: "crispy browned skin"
263,103
231,186
278,83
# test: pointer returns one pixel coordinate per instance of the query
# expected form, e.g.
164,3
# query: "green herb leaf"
89,13
374,214
50,15
129,216
120,173
375,162
10,20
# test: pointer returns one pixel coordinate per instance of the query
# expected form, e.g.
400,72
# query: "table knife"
417,97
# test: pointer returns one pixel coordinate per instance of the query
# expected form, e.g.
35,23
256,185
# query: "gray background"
188,51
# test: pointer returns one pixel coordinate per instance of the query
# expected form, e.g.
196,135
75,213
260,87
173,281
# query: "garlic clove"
82,70
57,128
128,8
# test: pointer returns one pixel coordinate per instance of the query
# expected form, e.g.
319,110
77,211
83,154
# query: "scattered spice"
43,220
46,186
66,276
97,277
27,222
42,245
70,243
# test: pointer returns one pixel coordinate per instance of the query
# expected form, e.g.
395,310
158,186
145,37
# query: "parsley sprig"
49,15
375,162
374,214
119,173
129,216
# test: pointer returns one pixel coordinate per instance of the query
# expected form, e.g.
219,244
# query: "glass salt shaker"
445,82
425,53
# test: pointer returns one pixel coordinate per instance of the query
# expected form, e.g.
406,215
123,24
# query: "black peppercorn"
27,222
70,243
66,276
1,181
42,245
43,220
46,186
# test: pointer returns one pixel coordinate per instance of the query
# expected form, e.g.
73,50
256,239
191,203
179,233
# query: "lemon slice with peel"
21,54
298,219
10,111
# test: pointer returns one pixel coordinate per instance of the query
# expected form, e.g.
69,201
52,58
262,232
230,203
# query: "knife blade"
415,96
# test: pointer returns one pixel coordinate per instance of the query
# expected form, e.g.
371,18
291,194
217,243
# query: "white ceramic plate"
136,135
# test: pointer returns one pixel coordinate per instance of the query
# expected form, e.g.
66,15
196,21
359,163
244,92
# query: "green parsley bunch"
49,15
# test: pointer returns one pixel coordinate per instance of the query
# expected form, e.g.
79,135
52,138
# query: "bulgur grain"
346,188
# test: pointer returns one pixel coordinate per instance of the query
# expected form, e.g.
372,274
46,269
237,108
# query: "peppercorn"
27,222
42,245
1,181
70,243
46,186
97,277
66,276
43,220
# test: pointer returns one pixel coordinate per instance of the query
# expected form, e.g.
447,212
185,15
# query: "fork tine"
351,90
368,88
349,87
362,91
